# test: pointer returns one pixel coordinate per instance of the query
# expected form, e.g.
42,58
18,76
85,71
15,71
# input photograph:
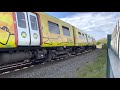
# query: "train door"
23,29
28,30
34,29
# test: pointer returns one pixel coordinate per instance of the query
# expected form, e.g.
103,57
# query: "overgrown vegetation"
96,69
102,41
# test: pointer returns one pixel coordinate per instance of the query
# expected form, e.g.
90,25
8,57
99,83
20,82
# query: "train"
39,36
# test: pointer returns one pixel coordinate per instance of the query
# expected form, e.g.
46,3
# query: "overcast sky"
97,24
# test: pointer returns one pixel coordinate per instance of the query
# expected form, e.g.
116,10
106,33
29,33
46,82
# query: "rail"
26,64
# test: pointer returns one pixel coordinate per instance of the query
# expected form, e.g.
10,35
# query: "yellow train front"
38,36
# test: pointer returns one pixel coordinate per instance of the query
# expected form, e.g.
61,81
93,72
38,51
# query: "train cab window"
33,21
66,31
21,19
53,27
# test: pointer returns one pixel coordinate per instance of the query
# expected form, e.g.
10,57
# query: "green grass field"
96,69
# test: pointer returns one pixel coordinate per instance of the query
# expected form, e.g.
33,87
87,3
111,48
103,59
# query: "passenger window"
88,38
53,27
83,36
21,19
33,21
79,35
66,31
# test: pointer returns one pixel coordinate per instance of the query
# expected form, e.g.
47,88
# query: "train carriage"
57,36
90,40
55,32
80,37
83,41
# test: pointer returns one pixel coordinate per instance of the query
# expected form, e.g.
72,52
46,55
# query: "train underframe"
9,56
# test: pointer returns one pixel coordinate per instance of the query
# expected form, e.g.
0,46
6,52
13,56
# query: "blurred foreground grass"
96,69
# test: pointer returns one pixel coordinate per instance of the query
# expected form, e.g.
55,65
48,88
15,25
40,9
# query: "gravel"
57,69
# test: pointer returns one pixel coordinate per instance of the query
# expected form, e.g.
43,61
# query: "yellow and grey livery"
39,36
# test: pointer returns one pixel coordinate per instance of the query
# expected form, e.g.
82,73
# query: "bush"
98,43
104,46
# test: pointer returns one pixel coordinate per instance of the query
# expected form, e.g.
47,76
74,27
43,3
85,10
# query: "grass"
96,69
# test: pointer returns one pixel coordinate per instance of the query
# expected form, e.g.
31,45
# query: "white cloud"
97,24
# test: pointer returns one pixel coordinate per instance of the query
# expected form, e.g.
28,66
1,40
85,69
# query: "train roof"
62,21
82,31
52,17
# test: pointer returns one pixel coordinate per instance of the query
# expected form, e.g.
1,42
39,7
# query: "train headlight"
35,35
23,34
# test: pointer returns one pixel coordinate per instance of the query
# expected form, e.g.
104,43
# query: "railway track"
26,64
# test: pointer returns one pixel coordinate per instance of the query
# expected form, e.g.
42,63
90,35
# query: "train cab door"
34,29
22,29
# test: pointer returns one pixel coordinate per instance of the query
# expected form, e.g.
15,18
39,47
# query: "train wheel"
54,56
49,56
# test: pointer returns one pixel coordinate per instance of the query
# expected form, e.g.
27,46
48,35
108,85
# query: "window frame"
83,35
23,19
80,35
54,24
34,22
66,28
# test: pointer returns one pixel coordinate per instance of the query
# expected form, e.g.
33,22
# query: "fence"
113,62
